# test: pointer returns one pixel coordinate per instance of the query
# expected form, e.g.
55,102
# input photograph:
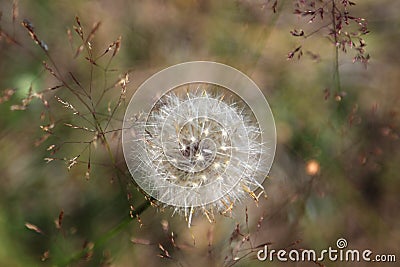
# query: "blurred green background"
336,171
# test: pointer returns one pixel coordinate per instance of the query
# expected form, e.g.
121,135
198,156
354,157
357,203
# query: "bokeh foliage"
336,172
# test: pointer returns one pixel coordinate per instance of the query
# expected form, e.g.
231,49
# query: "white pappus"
198,149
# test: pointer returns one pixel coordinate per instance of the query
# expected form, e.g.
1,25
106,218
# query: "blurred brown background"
336,171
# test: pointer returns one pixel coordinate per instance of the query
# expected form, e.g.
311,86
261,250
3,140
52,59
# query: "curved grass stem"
106,237
336,73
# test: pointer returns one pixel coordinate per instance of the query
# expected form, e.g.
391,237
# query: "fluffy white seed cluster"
199,147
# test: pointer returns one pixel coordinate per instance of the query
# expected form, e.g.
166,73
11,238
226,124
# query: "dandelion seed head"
197,146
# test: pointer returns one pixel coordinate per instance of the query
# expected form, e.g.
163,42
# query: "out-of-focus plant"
334,20
84,111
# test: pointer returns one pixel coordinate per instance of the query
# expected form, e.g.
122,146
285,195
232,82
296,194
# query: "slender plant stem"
336,73
106,237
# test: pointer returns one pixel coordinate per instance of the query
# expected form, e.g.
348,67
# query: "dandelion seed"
224,133
199,146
